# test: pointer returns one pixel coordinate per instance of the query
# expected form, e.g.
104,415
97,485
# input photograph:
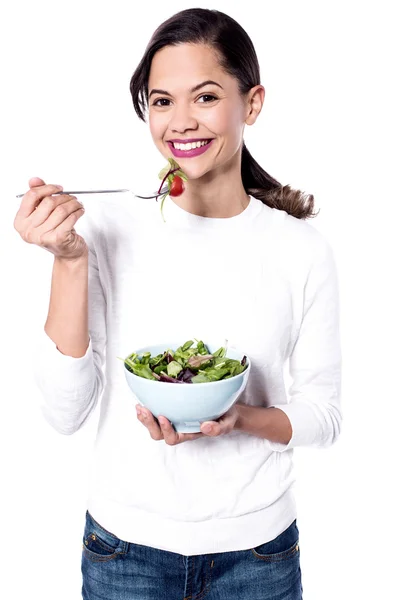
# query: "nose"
182,119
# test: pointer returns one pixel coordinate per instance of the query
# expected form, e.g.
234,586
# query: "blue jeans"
113,569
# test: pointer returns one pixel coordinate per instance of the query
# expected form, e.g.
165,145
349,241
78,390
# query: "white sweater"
263,280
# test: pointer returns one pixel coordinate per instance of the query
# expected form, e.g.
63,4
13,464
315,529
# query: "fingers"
51,222
146,417
162,429
168,432
54,210
35,181
47,218
224,425
33,198
61,231
172,437
211,428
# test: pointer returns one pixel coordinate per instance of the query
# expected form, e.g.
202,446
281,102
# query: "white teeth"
189,146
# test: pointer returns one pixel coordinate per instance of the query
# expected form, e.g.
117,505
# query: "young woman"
210,514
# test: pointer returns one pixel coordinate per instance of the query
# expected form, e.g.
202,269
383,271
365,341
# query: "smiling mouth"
189,145
190,149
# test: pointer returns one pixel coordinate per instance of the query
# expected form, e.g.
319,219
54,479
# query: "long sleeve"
71,387
315,362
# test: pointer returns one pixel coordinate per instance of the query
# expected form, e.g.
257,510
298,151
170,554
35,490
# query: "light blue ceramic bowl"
188,405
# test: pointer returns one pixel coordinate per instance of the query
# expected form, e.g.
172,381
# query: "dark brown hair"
238,58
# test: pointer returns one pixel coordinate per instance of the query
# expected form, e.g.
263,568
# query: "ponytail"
262,186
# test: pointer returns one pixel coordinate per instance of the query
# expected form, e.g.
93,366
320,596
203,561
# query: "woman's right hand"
48,221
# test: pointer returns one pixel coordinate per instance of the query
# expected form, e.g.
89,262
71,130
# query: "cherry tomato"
176,186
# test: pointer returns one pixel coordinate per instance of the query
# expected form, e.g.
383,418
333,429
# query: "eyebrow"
194,89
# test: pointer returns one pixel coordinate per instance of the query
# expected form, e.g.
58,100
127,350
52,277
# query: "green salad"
186,364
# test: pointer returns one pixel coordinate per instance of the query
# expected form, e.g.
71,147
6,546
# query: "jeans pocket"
284,546
100,544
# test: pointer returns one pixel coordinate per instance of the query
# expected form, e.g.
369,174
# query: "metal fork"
156,195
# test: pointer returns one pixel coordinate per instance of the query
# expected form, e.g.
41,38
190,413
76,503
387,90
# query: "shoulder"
300,236
295,246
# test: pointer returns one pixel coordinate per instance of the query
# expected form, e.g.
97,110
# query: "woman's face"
184,105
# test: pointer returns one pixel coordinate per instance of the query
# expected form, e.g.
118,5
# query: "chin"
194,172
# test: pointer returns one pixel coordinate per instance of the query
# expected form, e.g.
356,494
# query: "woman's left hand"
162,429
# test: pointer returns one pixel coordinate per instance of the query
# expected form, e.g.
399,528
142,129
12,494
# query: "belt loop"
124,547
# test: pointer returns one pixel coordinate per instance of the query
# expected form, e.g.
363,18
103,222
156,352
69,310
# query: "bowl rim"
207,383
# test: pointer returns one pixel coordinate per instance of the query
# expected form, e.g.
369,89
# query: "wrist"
269,423
73,263
250,419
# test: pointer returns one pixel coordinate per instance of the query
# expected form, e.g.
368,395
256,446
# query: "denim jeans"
113,569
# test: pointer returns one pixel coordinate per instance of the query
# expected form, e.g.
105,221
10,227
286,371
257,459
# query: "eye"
210,96
155,103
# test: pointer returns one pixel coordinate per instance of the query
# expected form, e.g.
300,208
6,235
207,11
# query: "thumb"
35,182
223,425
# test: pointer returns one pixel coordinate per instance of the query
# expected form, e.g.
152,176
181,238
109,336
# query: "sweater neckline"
177,214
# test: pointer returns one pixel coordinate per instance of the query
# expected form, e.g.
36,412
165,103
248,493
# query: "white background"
329,126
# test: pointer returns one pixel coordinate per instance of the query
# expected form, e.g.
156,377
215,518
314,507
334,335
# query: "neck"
216,194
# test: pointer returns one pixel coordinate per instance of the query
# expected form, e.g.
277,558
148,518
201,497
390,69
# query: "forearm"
67,320
268,423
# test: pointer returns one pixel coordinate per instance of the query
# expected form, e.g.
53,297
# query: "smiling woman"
212,110
212,92
189,514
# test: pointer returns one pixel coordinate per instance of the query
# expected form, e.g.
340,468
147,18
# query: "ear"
254,104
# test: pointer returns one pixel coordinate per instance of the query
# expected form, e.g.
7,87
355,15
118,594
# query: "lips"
189,141
189,153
